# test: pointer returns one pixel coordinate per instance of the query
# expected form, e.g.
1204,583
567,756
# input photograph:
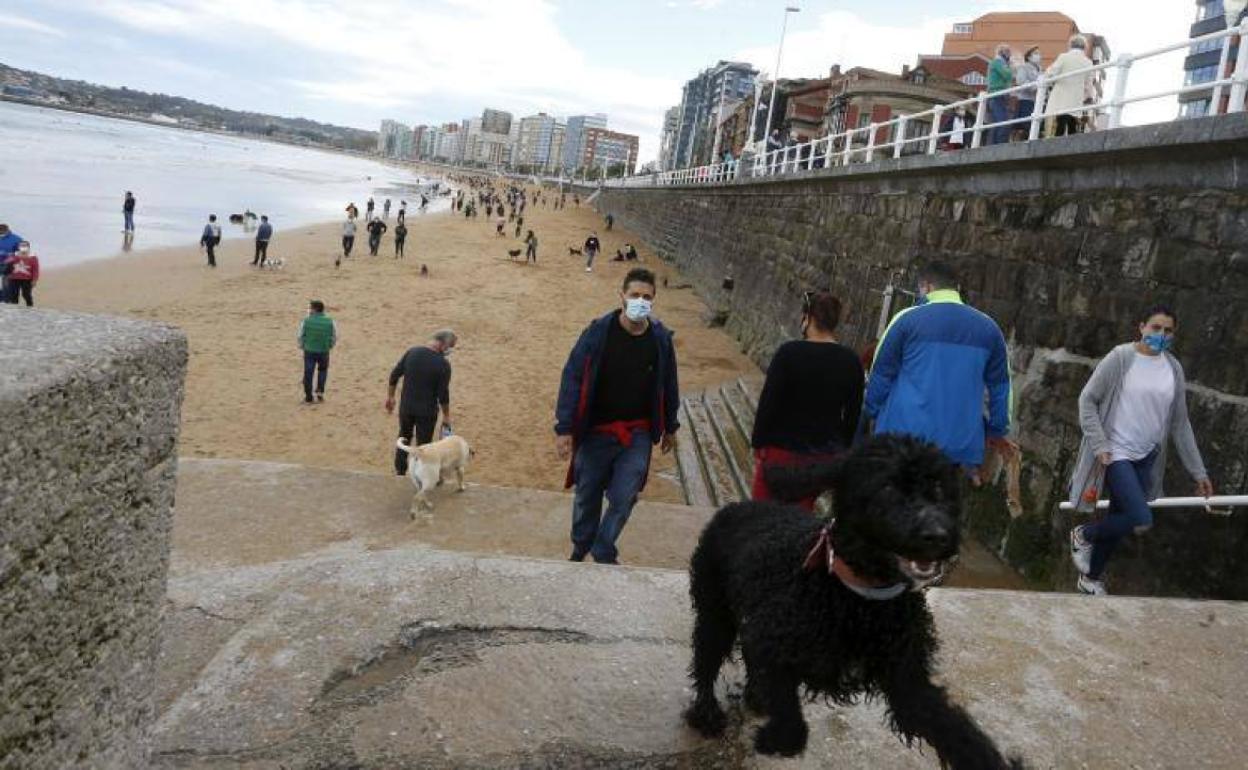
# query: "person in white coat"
1066,96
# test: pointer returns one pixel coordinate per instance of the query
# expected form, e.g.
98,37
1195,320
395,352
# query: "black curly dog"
835,610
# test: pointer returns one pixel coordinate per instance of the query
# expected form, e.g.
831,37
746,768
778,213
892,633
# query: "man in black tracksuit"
375,229
426,376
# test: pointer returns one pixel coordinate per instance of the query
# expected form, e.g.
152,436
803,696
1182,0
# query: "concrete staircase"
715,460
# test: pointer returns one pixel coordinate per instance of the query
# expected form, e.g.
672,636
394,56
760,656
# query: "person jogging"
348,239
317,336
400,237
263,234
592,246
530,248
426,376
618,396
375,229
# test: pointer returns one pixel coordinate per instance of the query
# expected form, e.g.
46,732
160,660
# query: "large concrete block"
90,408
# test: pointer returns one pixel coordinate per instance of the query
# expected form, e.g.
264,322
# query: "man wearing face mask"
1000,77
617,398
426,376
1028,73
932,368
1134,405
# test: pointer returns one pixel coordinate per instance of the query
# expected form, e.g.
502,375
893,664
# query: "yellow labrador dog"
431,462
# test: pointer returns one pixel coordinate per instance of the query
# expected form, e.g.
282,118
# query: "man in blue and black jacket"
932,369
618,397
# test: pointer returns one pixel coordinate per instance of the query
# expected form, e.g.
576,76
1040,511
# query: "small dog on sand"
424,271
513,253
430,463
574,252
274,263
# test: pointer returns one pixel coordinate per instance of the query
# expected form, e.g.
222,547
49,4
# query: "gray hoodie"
1097,405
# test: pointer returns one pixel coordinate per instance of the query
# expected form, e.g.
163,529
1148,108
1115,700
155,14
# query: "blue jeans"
998,110
318,362
603,466
129,221
1128,482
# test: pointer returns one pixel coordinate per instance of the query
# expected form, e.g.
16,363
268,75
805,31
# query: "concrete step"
411,657
295,511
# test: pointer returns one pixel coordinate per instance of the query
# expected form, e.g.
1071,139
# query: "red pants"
773,456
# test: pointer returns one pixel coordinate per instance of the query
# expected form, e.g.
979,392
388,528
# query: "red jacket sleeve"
34,269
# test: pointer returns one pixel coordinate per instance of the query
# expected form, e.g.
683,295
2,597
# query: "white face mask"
637,309
1034,58
23,250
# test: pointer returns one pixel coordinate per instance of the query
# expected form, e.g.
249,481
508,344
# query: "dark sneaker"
577,556
320,396
307,399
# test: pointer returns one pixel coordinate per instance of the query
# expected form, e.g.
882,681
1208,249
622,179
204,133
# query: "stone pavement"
372,651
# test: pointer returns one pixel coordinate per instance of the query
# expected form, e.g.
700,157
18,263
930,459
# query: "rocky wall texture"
90,408
1063,242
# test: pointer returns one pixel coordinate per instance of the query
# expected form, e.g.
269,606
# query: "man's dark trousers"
318,362
262,253
408,424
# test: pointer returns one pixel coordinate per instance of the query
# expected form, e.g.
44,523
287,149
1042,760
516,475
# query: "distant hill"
36,87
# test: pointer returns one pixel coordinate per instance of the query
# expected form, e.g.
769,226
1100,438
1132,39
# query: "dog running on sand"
835,608
574,252
513,253
424,271
429,463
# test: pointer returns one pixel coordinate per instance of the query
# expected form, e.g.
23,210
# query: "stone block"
92,405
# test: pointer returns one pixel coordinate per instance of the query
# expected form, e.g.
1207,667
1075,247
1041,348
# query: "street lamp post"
775,83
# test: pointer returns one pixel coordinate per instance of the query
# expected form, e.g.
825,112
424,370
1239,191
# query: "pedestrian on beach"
375,230
1133,406
500,224
630,253
1000,77
385,209
489,209
368,209
9,241
127,212
810,404
1066,95
23,274
932,369
519,224
348,239
210,238
264,234
618,396
400,237
317,336
591,250
530,248
402,217
426,376
610,221
352,211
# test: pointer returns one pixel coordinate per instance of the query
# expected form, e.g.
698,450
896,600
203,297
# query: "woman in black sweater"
809,407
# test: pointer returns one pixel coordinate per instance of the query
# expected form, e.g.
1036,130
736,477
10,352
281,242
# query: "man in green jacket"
317,335
1000,77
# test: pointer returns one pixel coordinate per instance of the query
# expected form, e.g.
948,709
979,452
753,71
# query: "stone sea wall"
90,408
1063,242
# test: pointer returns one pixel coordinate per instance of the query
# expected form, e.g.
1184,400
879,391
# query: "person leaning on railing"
1026,75
1067,93
1000,77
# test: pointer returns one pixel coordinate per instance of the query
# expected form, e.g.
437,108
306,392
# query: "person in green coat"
317,335
1000,77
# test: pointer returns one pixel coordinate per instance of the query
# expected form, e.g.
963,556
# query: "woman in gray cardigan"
1133,405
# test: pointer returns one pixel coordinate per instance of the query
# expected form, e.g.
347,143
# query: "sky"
355,62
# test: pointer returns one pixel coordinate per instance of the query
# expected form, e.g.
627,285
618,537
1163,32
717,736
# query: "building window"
1205,46
1201,75
1210,9
1195,109
966,29
974,79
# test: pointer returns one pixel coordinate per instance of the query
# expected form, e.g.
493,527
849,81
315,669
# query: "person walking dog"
426,376
317,336
1132,407
618,396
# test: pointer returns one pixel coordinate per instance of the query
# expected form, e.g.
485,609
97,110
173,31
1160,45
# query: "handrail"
848,146
1218,505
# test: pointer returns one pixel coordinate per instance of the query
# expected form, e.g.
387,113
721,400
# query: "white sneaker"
1080,551
1092,587
589,270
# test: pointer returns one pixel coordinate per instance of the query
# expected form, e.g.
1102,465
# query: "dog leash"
822,556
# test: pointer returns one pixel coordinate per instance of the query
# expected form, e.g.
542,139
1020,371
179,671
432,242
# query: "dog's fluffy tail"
402,444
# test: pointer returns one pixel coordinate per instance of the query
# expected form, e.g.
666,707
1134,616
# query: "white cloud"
14,21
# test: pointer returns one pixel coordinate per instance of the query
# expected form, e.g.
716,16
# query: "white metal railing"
864,144
1219,505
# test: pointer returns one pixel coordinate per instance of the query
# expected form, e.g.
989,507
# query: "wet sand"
516,324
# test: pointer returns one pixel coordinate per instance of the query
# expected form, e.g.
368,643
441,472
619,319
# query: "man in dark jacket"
426,376
617,398
592,247
263,235
375,228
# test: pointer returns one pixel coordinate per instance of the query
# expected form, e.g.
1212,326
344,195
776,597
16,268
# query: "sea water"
63,176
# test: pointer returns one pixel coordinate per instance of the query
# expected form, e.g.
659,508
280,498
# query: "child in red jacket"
23,274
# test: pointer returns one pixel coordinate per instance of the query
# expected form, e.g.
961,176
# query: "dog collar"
823,556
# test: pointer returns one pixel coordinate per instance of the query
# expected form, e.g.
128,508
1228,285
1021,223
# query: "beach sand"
516,325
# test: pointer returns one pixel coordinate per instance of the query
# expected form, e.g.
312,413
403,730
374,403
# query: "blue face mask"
1158,343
